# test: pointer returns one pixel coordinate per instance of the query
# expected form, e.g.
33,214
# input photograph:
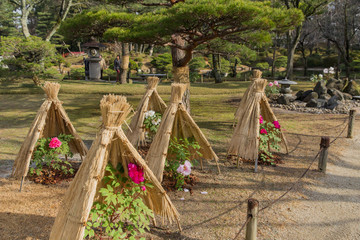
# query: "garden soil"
321,206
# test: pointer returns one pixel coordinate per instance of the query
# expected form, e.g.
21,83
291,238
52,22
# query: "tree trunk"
273,62
151,50
305,66
64,10
293,38
25,11
180,60
216,72
125,59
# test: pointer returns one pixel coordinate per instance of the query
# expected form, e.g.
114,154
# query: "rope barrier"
294,184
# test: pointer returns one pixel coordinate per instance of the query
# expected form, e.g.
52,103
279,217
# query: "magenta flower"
136,173
54,143
263,131
271,84
276,124
261,120
143,188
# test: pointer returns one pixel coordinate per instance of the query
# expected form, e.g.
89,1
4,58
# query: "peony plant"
152,122
272,88
122,213
269,139
178,162
47,153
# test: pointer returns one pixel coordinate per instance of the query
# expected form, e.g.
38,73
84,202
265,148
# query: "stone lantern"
93,51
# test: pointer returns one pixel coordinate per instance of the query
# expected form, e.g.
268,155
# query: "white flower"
150,113
186,190
321,76
326,71
331,69
185,169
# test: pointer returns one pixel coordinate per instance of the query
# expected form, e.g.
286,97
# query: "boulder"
334,92
332,103
320,88
299,95
316,103
325,96
311,96
305,94
347,96
284,99
331,83
352,88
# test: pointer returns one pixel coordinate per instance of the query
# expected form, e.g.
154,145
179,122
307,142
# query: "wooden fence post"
251,226
324,147
351,123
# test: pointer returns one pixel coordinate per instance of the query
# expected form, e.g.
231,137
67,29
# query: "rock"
325,96
352,88
316,103
347,96
331,83
334,92
299,95
305,94
332,103
320,88
284,99
311,96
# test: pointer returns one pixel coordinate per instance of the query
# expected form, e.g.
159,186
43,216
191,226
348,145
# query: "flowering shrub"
329,73
269,139
178,163
272,88
47,153
152,122
122,214
316,78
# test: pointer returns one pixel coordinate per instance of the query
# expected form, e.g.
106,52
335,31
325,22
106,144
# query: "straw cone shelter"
150,101
50,121
176,122
245,140
111,145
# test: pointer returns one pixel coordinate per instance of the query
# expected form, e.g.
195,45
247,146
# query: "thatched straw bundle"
176,122
50,121
111,145
150,101
245,140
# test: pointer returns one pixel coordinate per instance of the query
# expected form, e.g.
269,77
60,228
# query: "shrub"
52,73
262,65
47,153
272,88
163,62
197,63
281,61
77,73
32,54
315,61
151,122
122,214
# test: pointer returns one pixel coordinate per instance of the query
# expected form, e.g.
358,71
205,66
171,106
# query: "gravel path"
332,208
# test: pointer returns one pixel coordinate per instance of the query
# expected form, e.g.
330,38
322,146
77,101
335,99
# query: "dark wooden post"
351,123
251,226
324,146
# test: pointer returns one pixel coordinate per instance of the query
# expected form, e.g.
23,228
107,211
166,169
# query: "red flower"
136,173
263,131
261,120
276,124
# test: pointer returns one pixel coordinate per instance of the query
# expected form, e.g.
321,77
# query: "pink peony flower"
185,169
271,84
263,131
136,173
143,188
276,83
55,143
276,124
261,120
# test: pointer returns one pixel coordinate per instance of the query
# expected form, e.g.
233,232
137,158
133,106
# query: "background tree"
340,25
173,26
309,9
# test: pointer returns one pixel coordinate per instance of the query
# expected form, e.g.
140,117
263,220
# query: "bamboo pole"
251,226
